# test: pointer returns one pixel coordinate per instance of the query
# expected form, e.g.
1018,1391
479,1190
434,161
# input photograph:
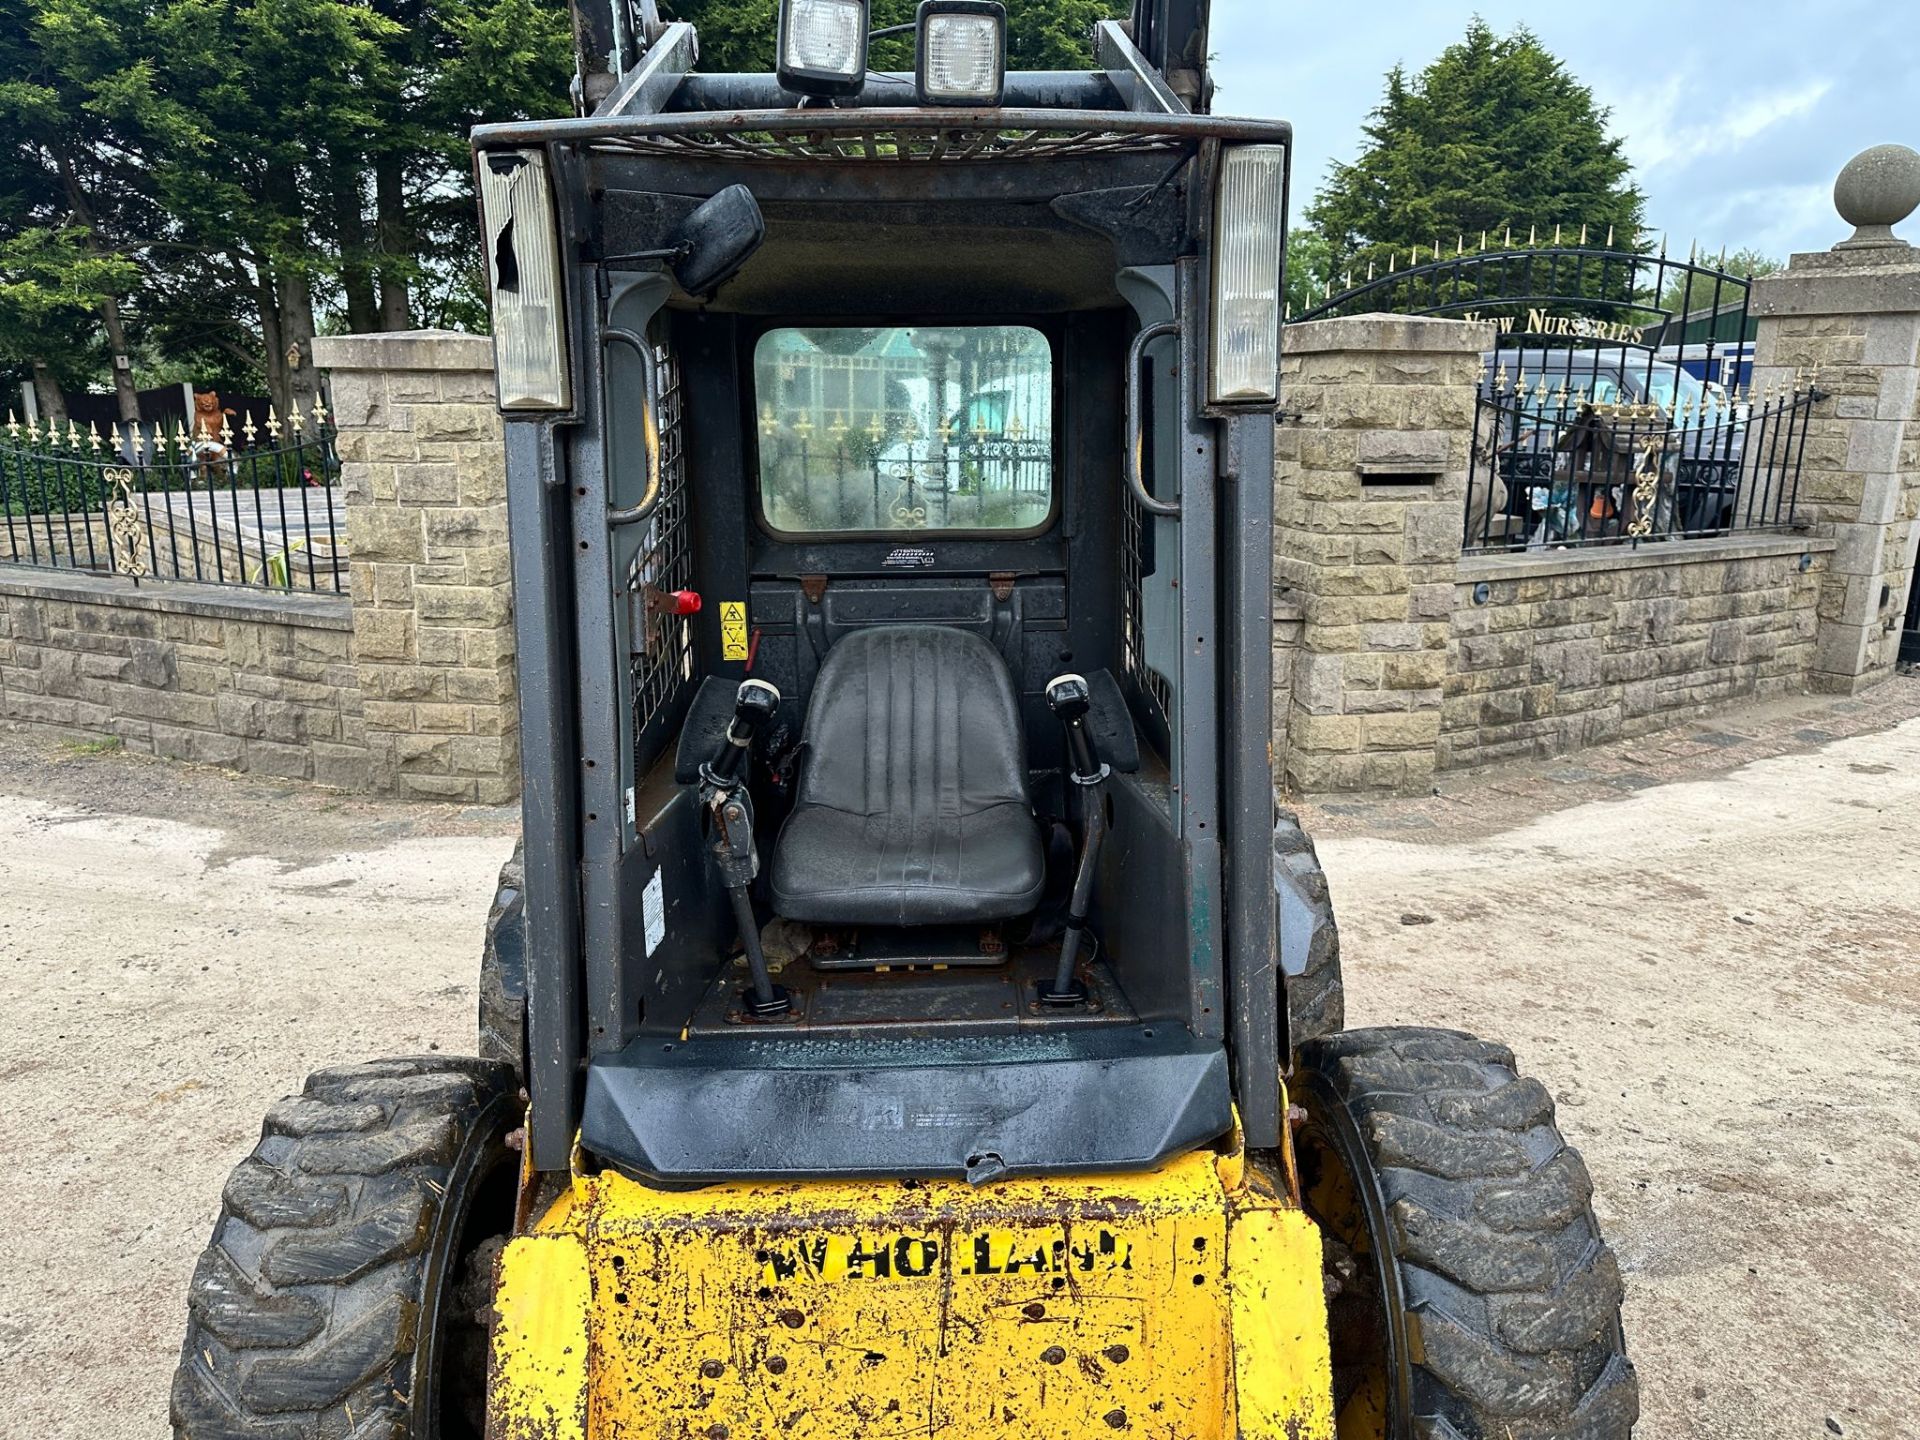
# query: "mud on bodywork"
1183,1301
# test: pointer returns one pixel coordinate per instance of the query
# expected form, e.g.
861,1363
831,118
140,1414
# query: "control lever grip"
754,707
1071,700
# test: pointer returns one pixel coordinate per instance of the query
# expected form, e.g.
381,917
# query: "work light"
823,46
961,57
523,275
1249,213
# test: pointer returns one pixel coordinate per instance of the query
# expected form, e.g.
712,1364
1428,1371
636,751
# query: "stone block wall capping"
215,602
436,350
1598,559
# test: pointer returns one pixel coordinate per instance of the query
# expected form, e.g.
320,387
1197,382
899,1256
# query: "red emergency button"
672,602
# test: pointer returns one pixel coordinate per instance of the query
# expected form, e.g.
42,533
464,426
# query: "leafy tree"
479,61
1309,269
1679,299
268,168
1495,132
739,35
67,221
197,187
53,283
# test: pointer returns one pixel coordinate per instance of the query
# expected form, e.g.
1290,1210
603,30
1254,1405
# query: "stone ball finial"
1876,190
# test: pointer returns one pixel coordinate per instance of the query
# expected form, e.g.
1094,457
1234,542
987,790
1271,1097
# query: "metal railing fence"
259,506
1556,469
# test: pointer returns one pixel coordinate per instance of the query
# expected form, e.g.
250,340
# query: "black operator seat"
912,807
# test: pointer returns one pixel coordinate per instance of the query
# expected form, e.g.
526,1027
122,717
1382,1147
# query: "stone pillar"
425,480
1853,313
1369,503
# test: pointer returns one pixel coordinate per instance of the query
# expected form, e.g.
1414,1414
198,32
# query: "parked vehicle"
1726,364
1699,428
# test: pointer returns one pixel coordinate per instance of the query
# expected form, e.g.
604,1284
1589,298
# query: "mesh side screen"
1150,685
662,662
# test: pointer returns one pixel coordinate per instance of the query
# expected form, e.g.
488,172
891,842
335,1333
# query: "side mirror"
716,240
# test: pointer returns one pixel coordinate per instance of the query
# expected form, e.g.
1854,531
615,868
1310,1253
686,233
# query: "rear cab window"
877,430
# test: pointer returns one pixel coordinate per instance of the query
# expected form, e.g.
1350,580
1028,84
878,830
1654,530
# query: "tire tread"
1513,1298
304,1310
1316,999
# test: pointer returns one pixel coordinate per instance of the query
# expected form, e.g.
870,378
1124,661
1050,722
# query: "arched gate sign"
1617,405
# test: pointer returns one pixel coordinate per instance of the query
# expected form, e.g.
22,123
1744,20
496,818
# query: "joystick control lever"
723,789
1071,700
754,707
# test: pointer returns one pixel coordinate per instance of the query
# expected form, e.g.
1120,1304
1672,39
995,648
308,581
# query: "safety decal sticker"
653,911
733,629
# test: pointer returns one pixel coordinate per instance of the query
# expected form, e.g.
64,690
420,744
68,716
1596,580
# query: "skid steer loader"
910,1014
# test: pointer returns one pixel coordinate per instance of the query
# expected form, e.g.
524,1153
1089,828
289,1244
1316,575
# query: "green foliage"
1309,269
738,35
58,260
51,283
1495,132
460,63
250,170
1679,300
93,749
36,483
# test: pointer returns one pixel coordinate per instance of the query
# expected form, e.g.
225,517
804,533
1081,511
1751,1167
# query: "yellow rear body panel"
1182,1302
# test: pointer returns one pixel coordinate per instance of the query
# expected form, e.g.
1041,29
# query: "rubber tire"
1316,998
503,970
1502,1302
317,1309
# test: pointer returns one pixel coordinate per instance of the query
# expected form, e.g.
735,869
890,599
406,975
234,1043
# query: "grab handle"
649,426
1136,422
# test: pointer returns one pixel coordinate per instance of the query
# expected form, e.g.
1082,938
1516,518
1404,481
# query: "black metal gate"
1617,405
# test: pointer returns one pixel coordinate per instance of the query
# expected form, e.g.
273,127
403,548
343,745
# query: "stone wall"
425,473
405,686
1550,653
1369,493
1850,319
242,679
1408,658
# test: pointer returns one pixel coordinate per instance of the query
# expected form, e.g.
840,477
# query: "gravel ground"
178,948
1703,943
1715,972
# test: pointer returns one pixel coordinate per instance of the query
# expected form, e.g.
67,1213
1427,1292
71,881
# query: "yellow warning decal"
733,629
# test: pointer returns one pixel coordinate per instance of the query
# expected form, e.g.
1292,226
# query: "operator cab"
892,460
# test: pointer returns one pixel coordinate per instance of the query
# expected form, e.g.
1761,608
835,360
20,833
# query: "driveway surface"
1718,975
178,948
1704,943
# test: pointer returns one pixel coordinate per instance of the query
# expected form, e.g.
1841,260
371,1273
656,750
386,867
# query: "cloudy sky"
1735,129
